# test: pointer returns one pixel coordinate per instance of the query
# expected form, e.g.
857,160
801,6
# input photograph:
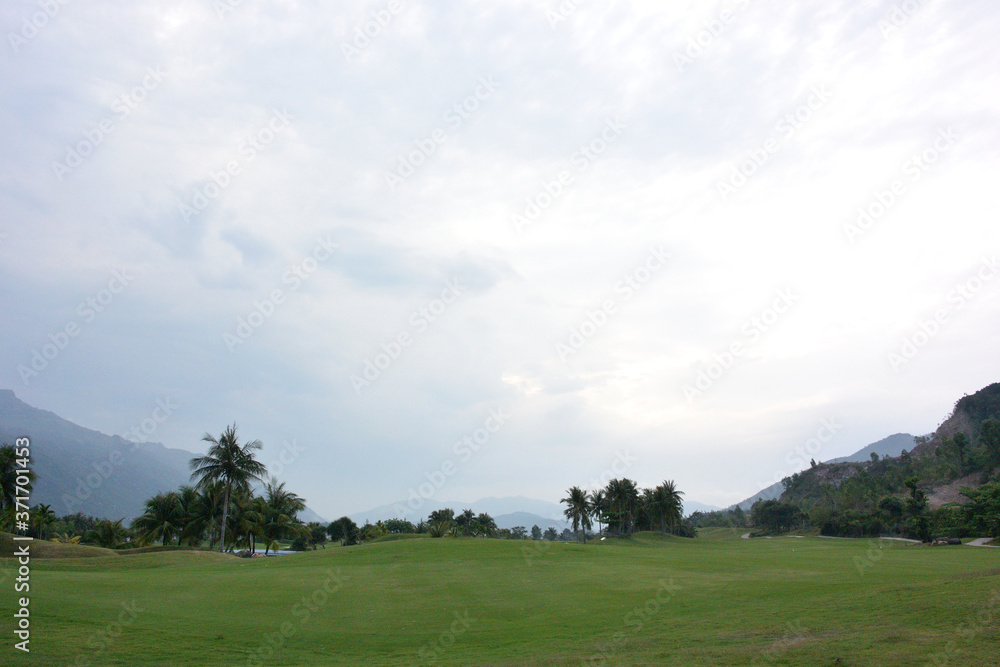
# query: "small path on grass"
982,542
901,539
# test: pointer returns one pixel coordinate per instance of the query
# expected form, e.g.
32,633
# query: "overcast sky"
629,229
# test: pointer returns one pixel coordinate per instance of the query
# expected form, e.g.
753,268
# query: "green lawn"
714,600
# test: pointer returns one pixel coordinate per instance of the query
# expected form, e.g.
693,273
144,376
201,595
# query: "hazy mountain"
891,446
81,470
528,520
692,506
772,492
496,507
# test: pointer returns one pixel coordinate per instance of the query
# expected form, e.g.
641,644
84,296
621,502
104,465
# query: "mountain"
692,506
772,492
81,470
891,446
528,520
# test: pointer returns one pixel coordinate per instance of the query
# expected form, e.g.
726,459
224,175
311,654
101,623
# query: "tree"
623,497
108,534
775,516
464,521
9,465
668,505
442,516
484,525
982,514
598,506
961,444
577,509
551,534
42,518
162,519
536,532
343,530
231,463
317,535
279,508
989,436
518,533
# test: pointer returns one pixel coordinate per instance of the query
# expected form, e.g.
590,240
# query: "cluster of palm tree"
222,506
467,523
623,508
193,515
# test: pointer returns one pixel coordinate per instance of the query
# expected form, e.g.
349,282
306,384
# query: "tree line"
621,508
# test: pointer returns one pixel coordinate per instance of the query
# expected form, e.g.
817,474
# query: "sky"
472,249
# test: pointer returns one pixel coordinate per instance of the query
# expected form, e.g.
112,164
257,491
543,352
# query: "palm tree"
247,519
578,509
623,496
279,507
598,505
231,463
8,485
668,504
162,519
42,518
108,534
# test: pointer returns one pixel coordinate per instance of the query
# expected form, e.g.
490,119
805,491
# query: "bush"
299,544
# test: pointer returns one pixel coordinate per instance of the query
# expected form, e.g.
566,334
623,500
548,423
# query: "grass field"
714,600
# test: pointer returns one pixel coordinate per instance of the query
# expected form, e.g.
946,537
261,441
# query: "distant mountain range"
507,512
80,470
891,446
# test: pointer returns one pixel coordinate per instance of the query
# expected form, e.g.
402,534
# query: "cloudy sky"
682,236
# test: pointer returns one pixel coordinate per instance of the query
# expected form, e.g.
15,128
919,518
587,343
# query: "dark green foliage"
398,526
343,530
982,513
774,516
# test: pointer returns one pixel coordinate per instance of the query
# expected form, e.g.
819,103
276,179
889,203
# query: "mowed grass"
714,600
